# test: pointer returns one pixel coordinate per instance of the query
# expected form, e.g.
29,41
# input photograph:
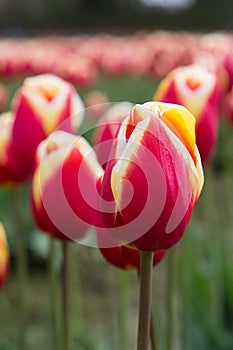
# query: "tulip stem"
169,297
122,306
22,266
66,296
153,335
53,292
145,300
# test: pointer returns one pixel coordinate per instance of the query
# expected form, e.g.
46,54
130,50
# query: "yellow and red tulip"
4,256
153,179
63,195
196,89
107,128
43,104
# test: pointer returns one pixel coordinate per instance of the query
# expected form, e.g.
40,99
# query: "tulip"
196,89
153,178
64,186
4,256
127,258
43,104
96,101
107,127
9,174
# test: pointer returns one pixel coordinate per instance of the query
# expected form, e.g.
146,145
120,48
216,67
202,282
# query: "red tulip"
43,104
123,256
107,127
196,89
64,184
9,174
153,177
4,256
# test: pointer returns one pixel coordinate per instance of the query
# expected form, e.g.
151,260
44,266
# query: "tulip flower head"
153,177
9,174
196,89
43,104
63,194
4,256
96,102
107,127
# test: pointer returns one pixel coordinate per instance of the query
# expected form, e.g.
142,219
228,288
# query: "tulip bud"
4,256
43,103
96,102
153,177
107,128
63,194
9,174
196,89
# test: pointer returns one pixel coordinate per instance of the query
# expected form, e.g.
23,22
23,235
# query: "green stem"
169,299
122,306
22,265
66,296
145,300
153,335
53,292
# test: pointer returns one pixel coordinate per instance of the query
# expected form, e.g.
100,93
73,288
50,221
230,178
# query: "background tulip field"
193,284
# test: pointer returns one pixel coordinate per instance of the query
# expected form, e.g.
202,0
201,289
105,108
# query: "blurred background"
18,17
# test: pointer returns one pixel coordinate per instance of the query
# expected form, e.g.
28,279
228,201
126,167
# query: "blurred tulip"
3,97
9,174
96,102
4,256
107,127
153,179
64,184
43,104
196,89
